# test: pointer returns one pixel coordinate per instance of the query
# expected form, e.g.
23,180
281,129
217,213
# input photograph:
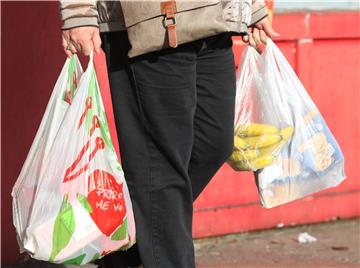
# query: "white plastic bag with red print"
82,208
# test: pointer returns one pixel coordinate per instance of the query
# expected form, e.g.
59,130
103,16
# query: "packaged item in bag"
312,159
81,207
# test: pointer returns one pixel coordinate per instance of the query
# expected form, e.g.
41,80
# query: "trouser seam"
153,202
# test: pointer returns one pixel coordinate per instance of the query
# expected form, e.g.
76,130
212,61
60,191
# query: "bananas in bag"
279,132
261,128
81,208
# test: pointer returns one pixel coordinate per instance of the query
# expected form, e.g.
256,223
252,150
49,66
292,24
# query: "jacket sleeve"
258,11
78,13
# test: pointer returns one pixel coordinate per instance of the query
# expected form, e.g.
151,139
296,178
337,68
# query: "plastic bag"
312,160
261,128
309,158
81,209
24,189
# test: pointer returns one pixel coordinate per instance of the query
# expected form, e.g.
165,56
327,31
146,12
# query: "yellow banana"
261,162
255,129
286,133
262,141
255,164
239,165
239,143
240,155
272,149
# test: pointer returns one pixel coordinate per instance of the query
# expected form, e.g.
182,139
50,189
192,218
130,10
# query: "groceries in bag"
279,132
312,160
260,130
257,145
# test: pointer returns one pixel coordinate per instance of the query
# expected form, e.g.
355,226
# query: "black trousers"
174,112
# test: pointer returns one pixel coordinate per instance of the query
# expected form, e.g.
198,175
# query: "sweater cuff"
258,14
79,22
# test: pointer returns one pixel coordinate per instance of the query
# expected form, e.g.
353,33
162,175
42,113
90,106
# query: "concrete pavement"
337,245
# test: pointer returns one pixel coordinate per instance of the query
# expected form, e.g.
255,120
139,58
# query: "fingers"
75,45
251,40
87,48
269,30
248,39
72,48
81,40
245,38
96,41
263,37
65,43
259,33
256,36
76,41
69,46
68,54
93,44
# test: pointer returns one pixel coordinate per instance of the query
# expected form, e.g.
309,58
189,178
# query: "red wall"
324,49
31,60
327,62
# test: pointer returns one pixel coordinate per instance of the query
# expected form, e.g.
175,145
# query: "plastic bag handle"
286,71
248,71
99,63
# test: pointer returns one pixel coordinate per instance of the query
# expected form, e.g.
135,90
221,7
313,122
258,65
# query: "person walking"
174,112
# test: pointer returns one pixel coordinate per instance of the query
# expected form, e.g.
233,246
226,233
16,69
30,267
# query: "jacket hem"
79,22
258,15
112,27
